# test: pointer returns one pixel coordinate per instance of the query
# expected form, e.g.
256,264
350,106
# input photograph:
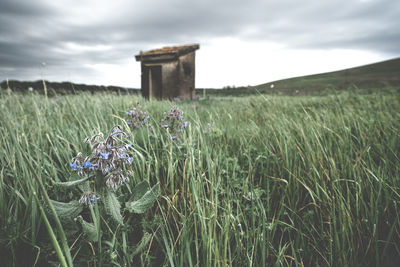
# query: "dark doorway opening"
155,81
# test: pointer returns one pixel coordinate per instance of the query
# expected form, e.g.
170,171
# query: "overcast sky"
242,42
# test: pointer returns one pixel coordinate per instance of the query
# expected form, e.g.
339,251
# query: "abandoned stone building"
169,72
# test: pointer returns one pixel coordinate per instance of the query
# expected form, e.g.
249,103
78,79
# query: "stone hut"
169,72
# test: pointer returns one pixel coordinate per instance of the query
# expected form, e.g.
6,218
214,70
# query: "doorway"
155,81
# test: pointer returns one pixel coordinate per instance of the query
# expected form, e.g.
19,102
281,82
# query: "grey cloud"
33,32
341,24
22,8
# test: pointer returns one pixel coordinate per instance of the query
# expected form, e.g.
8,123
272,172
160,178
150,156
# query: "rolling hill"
373,76
377,75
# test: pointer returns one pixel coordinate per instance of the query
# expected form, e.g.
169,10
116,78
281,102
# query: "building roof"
166,53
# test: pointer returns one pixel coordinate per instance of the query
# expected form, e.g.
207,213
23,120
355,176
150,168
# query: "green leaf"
67,211
142,244
85,187
88,229
113,207
71,183
254,195
139,190
146,199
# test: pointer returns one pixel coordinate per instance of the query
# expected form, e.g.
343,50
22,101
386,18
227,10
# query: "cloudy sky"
242,42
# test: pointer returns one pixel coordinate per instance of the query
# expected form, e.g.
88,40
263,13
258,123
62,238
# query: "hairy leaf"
85,187
145,201
71,183
113,207
254,195
67,211
88,229
139,190
142,244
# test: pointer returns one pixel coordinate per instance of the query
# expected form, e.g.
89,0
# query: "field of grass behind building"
252,181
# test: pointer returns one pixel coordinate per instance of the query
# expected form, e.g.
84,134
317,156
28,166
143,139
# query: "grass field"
260,180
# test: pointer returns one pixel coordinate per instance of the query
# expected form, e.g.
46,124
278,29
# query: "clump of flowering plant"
102,172
137,117
173,122
109,157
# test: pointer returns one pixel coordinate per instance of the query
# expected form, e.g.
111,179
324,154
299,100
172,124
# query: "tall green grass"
253,181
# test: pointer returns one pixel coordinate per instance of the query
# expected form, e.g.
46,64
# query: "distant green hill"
373,76
377,75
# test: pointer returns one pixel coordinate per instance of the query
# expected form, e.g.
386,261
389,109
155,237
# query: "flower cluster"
116,178
88,198
138,117
173,122
108,156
